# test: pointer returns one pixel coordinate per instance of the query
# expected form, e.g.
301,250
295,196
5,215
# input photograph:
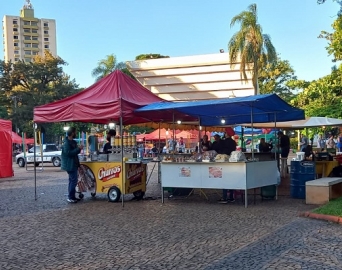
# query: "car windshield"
37,149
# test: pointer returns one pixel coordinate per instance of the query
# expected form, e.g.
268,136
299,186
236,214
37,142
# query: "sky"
88,30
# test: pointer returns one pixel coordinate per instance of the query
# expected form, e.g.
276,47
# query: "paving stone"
184,233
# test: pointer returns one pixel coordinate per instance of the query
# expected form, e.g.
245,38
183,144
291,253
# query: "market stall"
6,169
229,173
110,100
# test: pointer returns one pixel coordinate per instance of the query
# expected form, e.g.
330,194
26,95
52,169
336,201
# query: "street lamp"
66,128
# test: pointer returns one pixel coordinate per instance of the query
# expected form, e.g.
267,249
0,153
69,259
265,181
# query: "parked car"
51,154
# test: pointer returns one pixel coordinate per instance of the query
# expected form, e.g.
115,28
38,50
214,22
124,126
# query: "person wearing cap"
218,144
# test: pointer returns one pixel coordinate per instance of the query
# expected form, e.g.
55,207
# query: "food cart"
112,178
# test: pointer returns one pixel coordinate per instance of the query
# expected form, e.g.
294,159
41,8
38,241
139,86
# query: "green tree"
274,78
108,65
250,46
322,97
150,56
26,85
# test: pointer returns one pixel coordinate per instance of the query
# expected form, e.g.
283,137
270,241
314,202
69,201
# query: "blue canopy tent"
224,112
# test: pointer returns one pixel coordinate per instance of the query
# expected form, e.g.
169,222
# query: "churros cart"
112,174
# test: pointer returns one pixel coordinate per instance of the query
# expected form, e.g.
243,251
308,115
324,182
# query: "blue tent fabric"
256,109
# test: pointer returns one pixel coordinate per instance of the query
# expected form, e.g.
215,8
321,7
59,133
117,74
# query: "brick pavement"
181,234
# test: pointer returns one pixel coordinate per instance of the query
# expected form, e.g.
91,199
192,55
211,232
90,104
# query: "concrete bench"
322,190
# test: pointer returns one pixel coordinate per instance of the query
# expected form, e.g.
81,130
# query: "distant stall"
6,169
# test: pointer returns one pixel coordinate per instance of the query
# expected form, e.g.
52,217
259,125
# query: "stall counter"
219,175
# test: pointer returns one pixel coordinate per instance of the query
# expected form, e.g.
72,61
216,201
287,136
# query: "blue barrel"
301,172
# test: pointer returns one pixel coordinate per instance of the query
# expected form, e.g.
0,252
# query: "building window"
15,29
27,59
27,30
28,45
27,38
46,39
34,31
34,53
46,32
16,52
15,22
15,37
46,46
34,23
34,38
15,44
16,59
28,52
46,24
34,45
26,23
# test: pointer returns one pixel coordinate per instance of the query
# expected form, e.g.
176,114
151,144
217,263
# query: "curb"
330,218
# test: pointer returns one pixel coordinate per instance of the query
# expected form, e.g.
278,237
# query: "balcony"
35,49
35,41
46,27
16,48
35,34
16,33
15,25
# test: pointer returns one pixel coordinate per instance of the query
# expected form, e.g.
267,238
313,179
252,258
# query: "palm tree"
250,46
106,66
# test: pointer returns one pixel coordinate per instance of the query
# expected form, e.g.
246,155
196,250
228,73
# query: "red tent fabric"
107,100
17,139
6,169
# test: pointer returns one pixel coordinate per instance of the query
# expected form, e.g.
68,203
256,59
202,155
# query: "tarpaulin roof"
5,125
256,109
107,100
306,123
17,139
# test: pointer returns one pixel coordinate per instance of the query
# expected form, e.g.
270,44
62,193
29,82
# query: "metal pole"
174,132
199,135
122,164
34,161
159,141
276,142
252,133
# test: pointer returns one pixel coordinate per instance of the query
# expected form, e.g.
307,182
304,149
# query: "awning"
232,111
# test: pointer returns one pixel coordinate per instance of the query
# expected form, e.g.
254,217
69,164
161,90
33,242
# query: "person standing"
331,143
70,162
284,144
303,142
320,142
205,143
339,142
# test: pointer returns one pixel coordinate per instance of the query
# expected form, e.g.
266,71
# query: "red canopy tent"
115,96
17,139
6,169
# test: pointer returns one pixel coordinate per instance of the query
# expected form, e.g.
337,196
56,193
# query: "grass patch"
333,208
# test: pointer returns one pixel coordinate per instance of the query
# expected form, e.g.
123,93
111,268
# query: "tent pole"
276,142
34,158
174,133
122,164
199,135
252,133
159,140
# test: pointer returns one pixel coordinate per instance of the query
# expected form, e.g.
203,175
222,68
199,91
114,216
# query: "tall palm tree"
106,66
250,46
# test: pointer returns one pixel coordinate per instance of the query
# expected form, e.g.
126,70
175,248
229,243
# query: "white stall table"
218,175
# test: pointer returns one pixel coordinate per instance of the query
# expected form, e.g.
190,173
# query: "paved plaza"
184,233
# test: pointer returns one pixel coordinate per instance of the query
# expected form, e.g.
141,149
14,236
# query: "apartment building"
25,36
